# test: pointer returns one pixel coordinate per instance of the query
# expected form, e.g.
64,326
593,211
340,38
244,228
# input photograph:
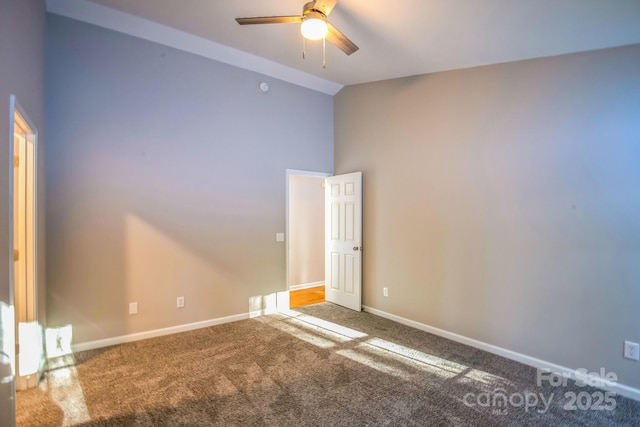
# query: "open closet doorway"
305,242
29,354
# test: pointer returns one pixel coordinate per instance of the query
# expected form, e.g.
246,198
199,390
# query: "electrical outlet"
180,302
385,292
279,237
631,350
133,308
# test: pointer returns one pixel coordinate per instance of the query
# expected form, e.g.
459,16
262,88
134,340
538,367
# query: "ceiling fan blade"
324,6
341,41
270,20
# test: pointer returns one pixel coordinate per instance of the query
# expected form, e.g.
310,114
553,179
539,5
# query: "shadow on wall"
159,259
159,269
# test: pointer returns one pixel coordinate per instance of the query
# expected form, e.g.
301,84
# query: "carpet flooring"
320,365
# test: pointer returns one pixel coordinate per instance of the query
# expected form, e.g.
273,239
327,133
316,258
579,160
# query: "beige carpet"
321,366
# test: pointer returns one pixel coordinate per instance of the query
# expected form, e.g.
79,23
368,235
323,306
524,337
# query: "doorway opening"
29,354
305,237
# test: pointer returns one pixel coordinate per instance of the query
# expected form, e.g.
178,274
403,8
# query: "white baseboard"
305,286
90,345
621,389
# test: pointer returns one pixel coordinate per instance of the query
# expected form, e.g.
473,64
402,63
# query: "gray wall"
22,27
306,229
502,202
166,177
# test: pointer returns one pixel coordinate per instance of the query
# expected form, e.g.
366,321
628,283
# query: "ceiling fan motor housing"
310,7
314,14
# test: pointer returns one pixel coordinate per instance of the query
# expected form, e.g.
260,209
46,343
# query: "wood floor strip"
308,296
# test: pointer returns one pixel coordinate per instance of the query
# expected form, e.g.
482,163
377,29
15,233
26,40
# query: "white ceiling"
396,38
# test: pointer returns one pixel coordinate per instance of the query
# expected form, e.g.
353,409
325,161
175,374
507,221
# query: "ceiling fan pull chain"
304,45
324,53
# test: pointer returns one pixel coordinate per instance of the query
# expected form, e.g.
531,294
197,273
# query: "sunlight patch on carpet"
68,393
358,356
320,330
304,336
486,378
427,362
333,327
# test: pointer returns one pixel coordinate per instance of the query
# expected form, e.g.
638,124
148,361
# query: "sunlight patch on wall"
260,305
31,346
58,341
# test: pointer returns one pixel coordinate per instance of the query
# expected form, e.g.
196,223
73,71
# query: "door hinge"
16,255
16,161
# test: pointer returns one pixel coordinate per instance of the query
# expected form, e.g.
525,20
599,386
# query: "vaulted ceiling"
396,38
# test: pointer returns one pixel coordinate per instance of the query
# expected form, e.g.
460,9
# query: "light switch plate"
279,237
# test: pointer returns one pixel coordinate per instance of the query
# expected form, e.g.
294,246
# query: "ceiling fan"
314,24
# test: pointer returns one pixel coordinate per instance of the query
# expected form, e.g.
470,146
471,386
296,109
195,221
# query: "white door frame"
16,110
287,230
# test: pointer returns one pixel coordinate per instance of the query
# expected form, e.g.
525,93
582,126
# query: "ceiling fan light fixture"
314,26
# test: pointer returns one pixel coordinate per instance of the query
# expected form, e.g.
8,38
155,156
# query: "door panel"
343,246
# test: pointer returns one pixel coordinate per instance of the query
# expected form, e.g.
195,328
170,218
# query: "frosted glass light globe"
314,28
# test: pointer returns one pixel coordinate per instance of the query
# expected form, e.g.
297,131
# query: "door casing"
24,291
289,173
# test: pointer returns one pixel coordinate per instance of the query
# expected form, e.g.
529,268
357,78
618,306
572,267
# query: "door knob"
356,248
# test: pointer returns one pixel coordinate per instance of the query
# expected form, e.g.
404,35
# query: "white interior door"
343,240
